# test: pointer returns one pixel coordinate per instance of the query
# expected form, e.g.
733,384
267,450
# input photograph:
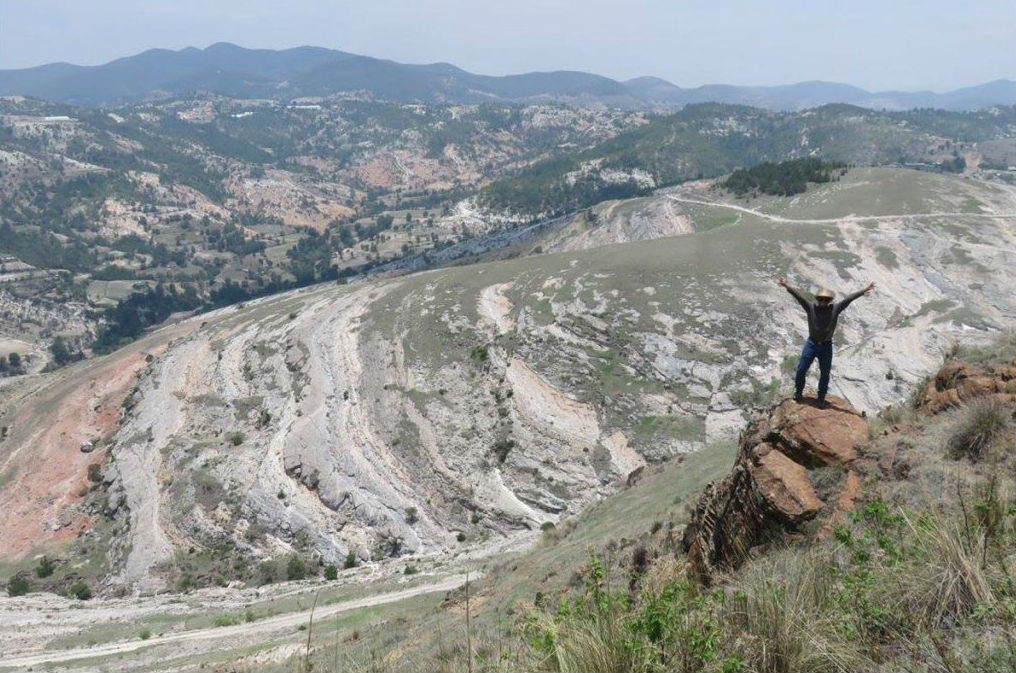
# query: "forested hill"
230,70
711,139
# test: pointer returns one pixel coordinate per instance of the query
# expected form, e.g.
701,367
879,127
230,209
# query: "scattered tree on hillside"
11,365
61,352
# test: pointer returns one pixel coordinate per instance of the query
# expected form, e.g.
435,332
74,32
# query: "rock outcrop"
793,475
958,381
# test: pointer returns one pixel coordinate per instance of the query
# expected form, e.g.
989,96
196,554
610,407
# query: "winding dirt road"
834,220
859,218
271,624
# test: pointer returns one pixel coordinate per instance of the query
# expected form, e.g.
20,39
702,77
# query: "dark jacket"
822,319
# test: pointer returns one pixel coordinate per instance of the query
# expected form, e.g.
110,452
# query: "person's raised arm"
782,282
851,297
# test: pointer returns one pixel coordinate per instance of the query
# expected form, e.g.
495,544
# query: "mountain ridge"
310,71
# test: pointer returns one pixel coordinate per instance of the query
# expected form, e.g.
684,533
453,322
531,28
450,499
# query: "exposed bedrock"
793,473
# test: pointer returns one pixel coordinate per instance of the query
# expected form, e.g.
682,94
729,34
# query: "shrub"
673,629
17,586
45,567
295,569
461,537
227,620
410,570
552,532
94,473
412,515
782,615
892,415
269,572
237,438
479,354
978,425
331,572
350,559
503,446
145,634
80,590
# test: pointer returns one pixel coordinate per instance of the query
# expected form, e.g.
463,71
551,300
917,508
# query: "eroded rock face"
793,471
958,381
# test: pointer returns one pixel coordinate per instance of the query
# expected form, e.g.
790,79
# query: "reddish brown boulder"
785,487
770,491
958,381
815,436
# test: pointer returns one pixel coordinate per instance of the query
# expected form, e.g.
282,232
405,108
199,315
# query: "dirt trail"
860,218
252,632
836,220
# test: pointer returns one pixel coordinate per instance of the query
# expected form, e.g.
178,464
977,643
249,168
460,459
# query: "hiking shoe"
798,397
822,404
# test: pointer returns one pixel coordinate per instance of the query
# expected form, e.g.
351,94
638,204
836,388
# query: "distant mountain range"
230,70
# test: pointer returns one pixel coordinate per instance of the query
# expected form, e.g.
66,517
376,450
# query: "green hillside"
708,140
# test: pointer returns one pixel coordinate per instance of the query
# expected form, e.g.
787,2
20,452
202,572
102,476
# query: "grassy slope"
884,191
716,252
722,266
510,587
920,578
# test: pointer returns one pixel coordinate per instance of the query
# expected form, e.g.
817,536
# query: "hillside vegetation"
220,200
785,178
439,413
709,140
224,199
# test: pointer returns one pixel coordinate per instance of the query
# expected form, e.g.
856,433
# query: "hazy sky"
876,44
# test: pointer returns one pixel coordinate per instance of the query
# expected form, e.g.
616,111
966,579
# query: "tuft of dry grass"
601,644
782,616
946,581
978,425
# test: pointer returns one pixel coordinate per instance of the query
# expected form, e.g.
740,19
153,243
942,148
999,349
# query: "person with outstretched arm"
822,316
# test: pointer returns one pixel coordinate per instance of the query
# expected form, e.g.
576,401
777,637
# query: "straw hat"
825,293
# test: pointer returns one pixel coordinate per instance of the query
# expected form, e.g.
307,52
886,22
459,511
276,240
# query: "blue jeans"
824,353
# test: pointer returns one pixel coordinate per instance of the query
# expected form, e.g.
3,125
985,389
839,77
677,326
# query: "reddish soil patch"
46,471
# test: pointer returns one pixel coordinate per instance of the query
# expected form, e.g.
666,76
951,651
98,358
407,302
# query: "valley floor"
181,632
